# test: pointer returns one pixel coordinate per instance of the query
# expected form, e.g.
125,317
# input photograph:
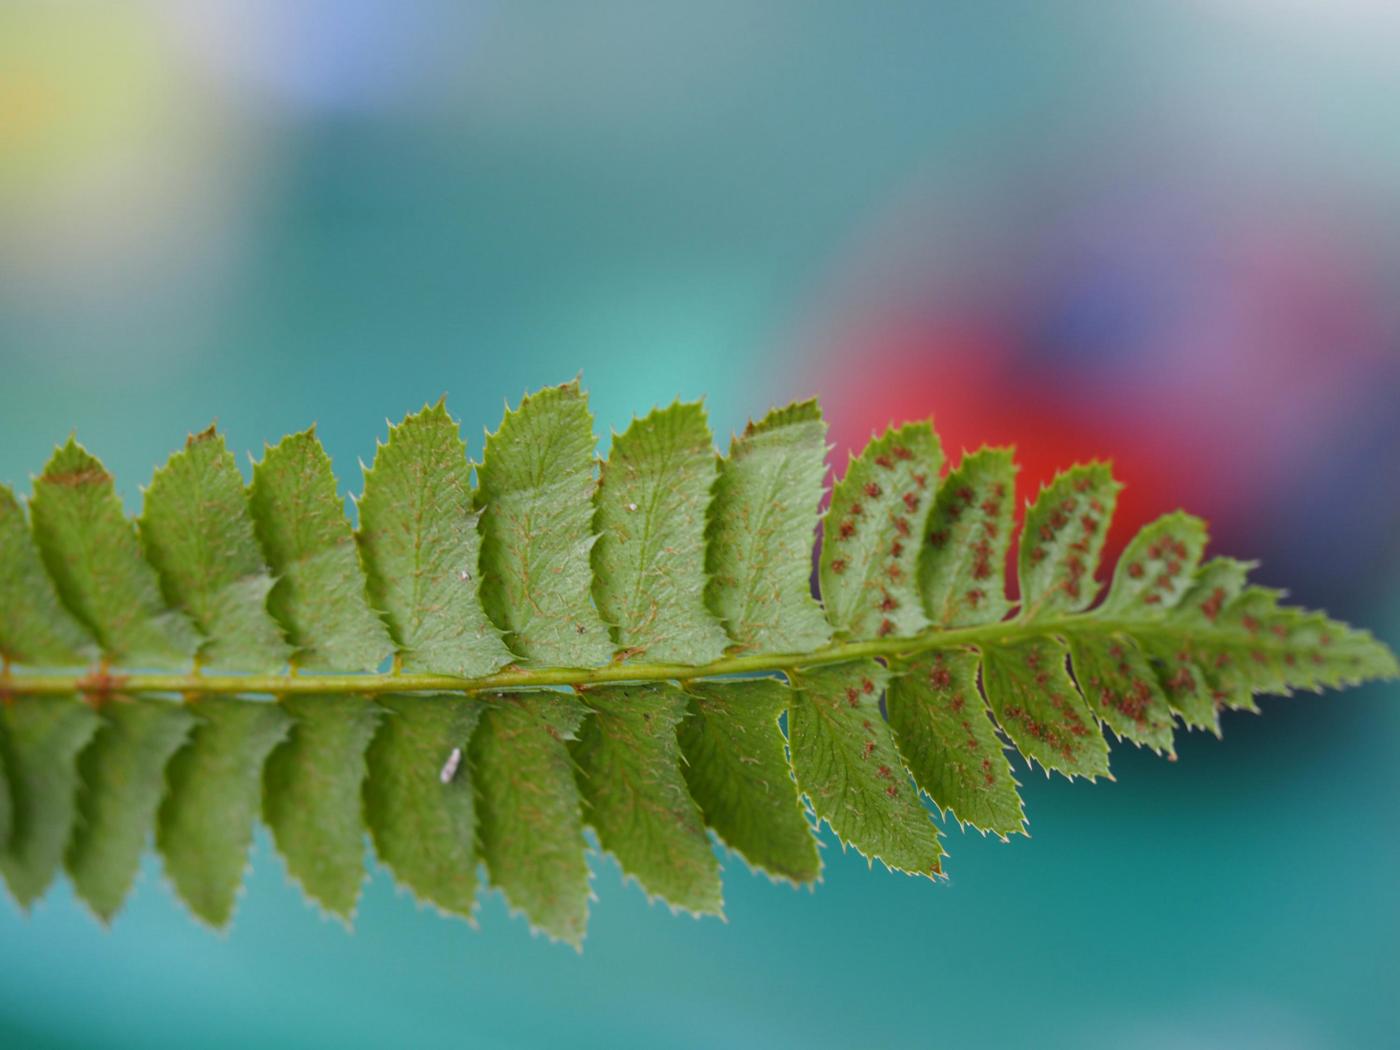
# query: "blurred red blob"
1242,369
960,379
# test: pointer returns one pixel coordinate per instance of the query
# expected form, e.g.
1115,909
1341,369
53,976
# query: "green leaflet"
312,788
759,532
418,797
649,562
92,554
197,532
946,736
737,769
1223,643
848,767
1062,538
122,775
530,821
537,530
962,573
319,597
635,796
1196,690
35,628
1214,585
1329,653
871,534
205,825
41,737
1156,580
1277,649
1039,707
1157,568
1120,687
418,538
1182,679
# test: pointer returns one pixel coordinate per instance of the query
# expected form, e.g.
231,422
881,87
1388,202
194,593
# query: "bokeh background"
1163,232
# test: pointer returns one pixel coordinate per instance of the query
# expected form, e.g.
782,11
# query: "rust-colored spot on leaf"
93,475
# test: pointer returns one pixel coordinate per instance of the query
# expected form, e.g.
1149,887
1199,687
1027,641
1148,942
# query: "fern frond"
632,646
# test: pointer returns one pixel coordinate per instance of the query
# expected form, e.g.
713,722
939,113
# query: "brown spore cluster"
1165,560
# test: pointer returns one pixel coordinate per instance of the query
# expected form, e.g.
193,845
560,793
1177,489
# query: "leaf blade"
848,767
1183,679
649,561
636,799
1214,585
759,533
35,628
312,796
319,597
424,828
945,733
205,823
419,542
197,532
1120,687
1157,568
737,770
530,819
1062,538
122,776
42,737
536,488
1274,648
91,552
870,534
962,568
1039,706
1196,683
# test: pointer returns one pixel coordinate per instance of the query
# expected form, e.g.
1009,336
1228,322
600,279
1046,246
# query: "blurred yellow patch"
83,87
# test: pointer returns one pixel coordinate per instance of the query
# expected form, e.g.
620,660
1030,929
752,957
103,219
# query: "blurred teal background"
1164,232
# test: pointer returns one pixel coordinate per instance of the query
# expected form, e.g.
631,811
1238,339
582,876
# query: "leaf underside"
122,774
737,769
420,548
197,530
649,561
319,597
419,801
42,738
530,818
311,800
635,796
205,825
715,697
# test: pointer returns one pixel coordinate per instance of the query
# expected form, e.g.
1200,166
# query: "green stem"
106,681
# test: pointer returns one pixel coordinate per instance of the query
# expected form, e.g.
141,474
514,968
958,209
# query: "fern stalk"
897,650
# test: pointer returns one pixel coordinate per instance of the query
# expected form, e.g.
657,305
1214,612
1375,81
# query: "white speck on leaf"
449,768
